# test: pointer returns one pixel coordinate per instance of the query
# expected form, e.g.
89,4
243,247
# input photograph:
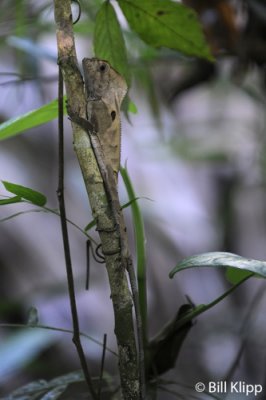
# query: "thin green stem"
140,249
204,307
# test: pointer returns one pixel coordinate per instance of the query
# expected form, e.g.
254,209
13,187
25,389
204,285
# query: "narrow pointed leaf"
140,241
11,200
26,193
109,42
221,259
34,118
165,23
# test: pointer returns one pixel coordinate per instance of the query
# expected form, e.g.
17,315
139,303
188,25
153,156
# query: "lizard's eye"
113,115
102,67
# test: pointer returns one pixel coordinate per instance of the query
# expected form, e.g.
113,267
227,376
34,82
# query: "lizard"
105,90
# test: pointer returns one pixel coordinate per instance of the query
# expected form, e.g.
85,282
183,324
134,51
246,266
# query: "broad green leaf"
164,23
37,117
11,200
221,259
109,42
26,193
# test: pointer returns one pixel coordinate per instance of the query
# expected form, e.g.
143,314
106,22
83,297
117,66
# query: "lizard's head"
102,81
97,77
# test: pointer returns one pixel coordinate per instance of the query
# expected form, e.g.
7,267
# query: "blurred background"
195,152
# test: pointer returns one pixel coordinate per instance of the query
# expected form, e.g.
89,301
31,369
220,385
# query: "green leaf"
11,200
90,225
132,107
146,82
37,117
26,193
234,275
109,42
221,259
168,24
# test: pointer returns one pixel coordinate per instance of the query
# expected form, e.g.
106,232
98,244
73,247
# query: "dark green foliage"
164,23
109,42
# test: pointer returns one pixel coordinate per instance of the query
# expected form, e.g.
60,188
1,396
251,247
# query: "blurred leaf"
255,93
258,8
221,259
54,393
29,120
55,387
76,376
146,82
33,318
21,348
85,28
132,107
32,387
166,23
32,48
197,151
11,200
109,42
26,193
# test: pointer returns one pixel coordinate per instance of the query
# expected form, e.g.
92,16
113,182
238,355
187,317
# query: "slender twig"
70,278
102,366
56,329
88,245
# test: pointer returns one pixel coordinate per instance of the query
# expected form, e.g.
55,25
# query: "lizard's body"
105,90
